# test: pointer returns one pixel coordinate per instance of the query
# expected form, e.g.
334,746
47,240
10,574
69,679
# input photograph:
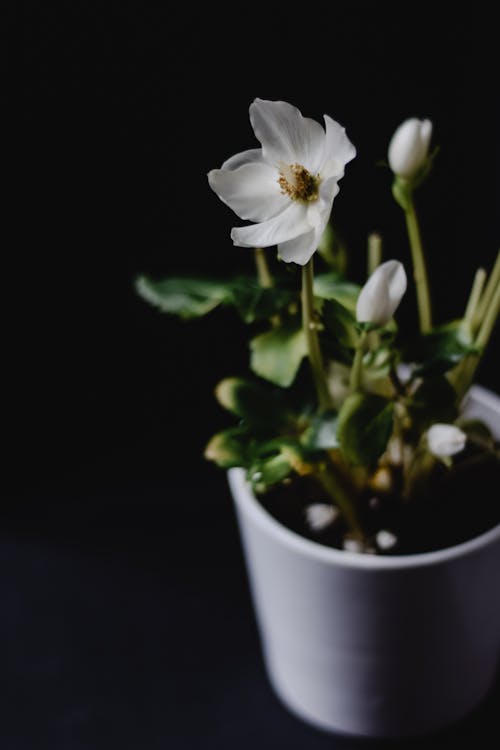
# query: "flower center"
296,182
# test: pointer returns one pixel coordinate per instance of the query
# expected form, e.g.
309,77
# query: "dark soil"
458,504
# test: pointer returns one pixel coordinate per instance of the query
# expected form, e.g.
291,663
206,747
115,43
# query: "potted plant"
363,463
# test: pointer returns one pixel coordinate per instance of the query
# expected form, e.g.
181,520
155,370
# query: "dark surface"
125,612
129,625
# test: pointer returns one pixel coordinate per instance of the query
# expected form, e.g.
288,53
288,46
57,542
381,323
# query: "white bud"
382,293
353,545
385,539
445,440
409,147
320,515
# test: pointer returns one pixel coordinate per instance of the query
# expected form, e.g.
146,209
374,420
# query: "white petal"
426,134
385,539
382,293
286,136
338,149
245,157
408,147
320,515
445,440
290,223
301,249
373,302
251,190
396,279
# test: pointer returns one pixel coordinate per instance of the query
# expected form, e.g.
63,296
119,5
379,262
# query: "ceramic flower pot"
375,646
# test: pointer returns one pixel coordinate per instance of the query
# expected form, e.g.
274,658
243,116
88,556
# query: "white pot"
368,645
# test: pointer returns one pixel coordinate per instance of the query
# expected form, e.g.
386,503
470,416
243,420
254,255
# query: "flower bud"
409,147
382,293
445,440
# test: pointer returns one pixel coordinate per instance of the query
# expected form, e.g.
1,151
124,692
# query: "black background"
129,616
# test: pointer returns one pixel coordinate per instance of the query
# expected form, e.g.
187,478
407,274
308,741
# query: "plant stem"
374,252
263,272
466,376
311,333
341,497
484,302
419,268
475,296
357,365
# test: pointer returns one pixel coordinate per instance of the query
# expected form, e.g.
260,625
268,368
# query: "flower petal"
252,190
285,226
244,157
445,440
301,249
286,136
338,149
382,293
373,301
396,279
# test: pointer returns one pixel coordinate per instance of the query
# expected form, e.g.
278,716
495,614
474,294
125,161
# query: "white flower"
409,147
320,515
382,293
289,184
385,539
445,440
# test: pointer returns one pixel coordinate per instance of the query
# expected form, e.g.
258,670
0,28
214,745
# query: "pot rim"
248,503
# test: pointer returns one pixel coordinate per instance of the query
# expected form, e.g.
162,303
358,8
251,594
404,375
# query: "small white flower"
385,539
445,440
320,515
382,293
289,184
353,545
409,147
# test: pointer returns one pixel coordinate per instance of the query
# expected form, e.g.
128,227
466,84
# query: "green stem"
472,362
475,296
342,498
489,293
263,272
374,252
311,333
357,365
419,268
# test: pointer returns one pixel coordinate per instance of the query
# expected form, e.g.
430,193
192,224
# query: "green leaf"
254,302
364,427
438,351
435,400
340,323
188,298
278,353
332,286
322,433
229,448
256,404
275,459
266,472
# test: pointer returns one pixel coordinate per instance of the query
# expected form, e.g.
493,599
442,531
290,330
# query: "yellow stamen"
299,184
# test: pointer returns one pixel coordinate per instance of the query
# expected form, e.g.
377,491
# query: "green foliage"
435,400
254,302
438,351
322,432
229,448
259,406
278,353
365,425
332,286
188,298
